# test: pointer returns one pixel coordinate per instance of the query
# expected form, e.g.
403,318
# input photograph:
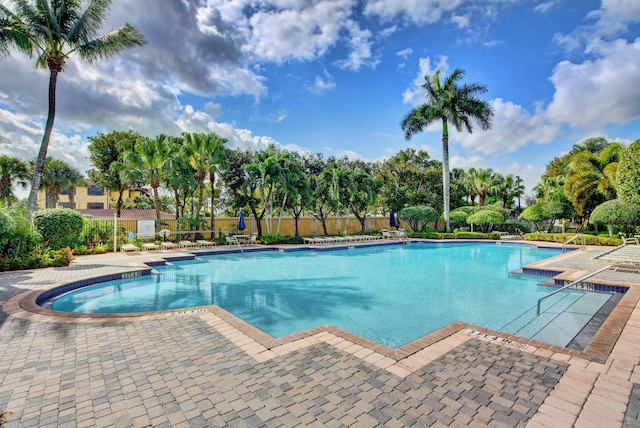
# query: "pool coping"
25,306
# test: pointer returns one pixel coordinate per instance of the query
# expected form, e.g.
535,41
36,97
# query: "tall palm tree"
450,102
147,160
56,29
12,170
508,187
205,152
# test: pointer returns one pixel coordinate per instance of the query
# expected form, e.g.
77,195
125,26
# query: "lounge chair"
186,244
205,243
622,255
128,247
231,240
168,245
150,246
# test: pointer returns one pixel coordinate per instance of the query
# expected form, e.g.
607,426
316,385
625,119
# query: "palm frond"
111,43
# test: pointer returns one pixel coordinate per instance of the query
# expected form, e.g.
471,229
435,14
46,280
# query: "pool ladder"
573,238
569,285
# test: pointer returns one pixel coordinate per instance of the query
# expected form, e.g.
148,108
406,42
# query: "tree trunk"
119,202
72,197
445,173
44,145
212,179
156,201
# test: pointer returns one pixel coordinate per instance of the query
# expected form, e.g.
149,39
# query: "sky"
338,76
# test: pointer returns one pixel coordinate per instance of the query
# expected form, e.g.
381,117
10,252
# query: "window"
95,191
95,205
64,204
64,191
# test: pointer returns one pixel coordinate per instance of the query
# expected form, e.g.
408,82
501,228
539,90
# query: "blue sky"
337,76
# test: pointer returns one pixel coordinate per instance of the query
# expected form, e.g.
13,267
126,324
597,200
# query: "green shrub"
272,239
56,258
24,261
563,237
485,219
59,227
418,217
80,250
16,236
476,235
294,240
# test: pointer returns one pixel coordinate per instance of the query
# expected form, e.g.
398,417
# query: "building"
90,197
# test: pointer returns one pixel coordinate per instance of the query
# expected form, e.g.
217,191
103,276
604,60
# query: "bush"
272,239
16,236
617,212
485,219
57,258
418,217
59,227
563,237
476,235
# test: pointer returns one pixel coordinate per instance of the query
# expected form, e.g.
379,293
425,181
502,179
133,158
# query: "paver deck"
204,367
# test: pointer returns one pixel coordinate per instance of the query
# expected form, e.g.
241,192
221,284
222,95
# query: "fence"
101,231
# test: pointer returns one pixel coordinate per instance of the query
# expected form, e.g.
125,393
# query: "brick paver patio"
201,368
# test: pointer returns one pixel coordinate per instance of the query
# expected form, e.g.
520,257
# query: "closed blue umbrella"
392,220
241,225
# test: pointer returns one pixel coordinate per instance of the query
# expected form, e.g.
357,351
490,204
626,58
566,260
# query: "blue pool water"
389,294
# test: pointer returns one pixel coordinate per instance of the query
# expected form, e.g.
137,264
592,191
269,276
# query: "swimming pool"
388,294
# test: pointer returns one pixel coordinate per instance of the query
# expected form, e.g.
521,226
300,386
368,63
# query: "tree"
362,191
56,29
485,219
628,174
411,178
617,212
484,182
449,102
180,176
418,217
507,188
59,228
58,175
106,155
204,152
12,170
147,160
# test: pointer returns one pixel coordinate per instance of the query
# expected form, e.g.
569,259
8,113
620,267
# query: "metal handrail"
573,238
569,285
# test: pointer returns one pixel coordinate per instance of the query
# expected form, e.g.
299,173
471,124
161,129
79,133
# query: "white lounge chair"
186,244
205,243
622,255
168,245
150,246
128,247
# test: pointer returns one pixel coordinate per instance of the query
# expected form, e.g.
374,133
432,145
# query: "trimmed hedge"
563,237
456,235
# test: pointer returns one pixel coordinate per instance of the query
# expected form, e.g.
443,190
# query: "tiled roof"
149,214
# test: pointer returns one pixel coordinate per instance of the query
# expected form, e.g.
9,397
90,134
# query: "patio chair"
128,247
204,243
622,255
168,245
186,244
150,246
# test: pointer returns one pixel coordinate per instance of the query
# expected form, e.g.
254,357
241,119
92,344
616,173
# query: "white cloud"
474,161
416,11
360,44
414,94
513,128
595,93
321,84
544,7
404,53
461,21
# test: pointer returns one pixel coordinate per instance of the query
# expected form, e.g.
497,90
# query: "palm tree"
449,102
147,160
508,187
12,170
485,182
56,29
205,152
58,175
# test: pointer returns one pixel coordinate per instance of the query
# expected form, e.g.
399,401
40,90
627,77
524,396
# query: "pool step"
563,317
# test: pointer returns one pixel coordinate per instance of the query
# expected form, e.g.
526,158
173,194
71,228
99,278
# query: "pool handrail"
573,238
570,285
